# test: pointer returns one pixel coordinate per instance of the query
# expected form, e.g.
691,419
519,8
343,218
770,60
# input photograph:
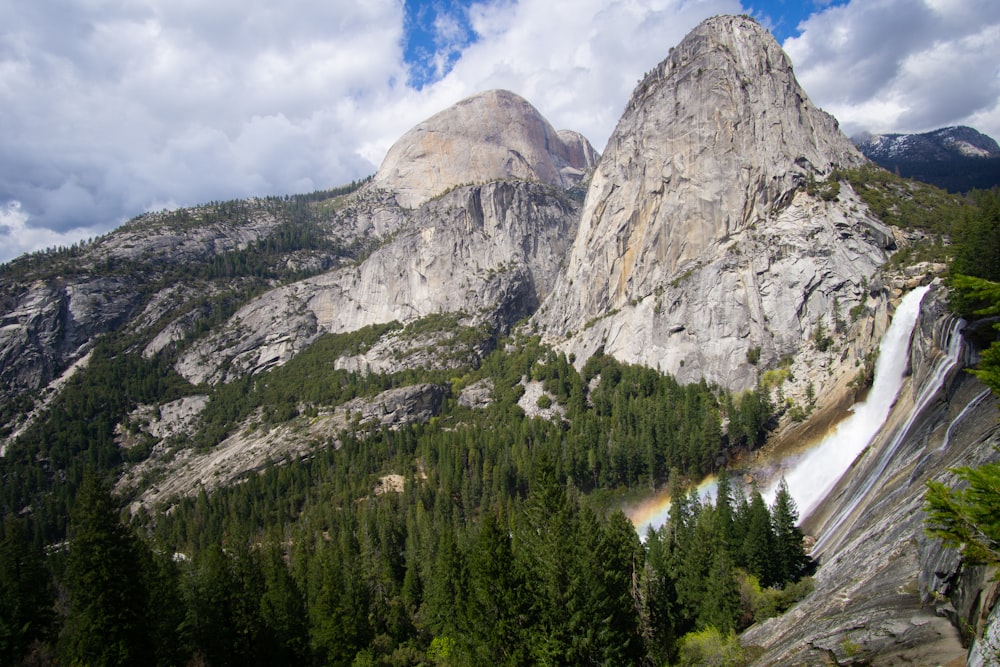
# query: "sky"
111,108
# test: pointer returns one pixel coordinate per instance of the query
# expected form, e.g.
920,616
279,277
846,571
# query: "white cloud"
110,109
18,237
903,65
577,61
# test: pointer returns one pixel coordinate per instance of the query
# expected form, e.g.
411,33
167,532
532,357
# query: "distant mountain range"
957,159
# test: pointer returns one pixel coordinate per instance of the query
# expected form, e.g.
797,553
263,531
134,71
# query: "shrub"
710,648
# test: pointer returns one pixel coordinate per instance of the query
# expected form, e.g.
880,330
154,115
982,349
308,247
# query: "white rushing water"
812,475
929,389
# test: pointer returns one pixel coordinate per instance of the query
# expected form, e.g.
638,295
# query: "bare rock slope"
486,137
703,233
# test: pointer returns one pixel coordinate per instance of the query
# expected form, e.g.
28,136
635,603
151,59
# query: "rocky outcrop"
884,592
698,239
395,407
183,471
490,251
49,324
54,305
486,137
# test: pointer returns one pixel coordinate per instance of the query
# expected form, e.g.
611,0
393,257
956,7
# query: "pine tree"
107,623
496,603
166,611
284,613
693,564
758,545
618,561
545,550
210,589
660,606
790,561
725,513
339,622
720,605
967,518
26,595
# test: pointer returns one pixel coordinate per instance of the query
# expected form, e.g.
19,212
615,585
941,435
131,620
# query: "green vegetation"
968,518
942,218
704,563
500,547
904,203
536,577
303,564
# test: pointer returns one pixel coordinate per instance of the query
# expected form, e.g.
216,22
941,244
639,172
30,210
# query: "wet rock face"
885,593
697,240
486,137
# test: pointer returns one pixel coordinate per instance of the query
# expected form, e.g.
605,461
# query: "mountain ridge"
957,158
718,242
709,162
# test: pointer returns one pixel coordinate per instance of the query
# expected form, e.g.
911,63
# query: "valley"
397,422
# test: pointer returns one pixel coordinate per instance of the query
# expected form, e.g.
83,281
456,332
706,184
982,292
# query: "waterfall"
927,392
811,476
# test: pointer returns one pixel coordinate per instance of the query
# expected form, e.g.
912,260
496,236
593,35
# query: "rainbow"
655,510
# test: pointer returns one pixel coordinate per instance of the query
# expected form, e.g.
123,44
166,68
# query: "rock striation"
486,137
489,251
699,237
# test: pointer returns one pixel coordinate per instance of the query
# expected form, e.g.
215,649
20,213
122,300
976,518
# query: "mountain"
957,159
419,391
486,137
699,239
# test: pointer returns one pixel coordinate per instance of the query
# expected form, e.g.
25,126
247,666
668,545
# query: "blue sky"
437,31
111,109
435,34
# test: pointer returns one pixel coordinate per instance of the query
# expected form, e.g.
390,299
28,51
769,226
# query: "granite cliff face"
714,241
488,251
486,137
699,238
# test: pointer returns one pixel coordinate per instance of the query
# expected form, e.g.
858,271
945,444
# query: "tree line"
401,579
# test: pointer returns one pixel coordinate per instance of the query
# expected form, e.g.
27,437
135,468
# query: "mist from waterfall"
811,475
